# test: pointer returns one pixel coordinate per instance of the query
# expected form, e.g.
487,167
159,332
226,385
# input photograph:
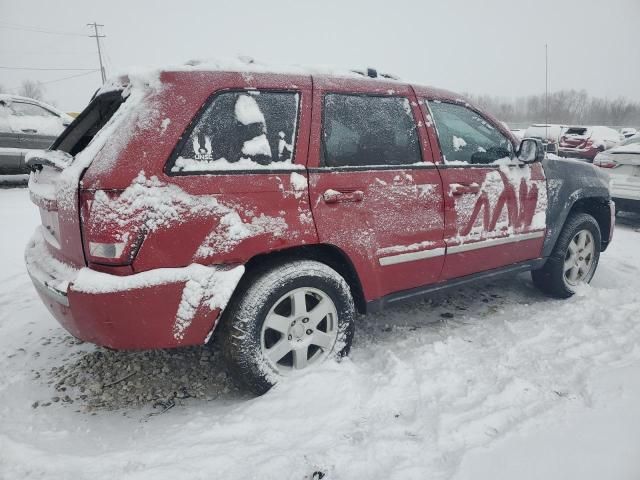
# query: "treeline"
565,107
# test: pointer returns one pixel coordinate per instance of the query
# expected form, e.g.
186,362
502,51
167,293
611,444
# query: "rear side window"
467,137
22,109
242,130
361,130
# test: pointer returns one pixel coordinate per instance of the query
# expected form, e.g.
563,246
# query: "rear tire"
574,258
290,318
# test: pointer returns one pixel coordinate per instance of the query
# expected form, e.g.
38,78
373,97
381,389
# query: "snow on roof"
151,75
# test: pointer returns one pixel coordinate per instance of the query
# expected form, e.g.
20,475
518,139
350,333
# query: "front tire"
574,258
288,319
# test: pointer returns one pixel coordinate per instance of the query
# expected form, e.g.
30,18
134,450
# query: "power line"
48,69
26,28
69,77
60,79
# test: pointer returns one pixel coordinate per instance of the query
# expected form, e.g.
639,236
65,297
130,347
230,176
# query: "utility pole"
546,90
98,37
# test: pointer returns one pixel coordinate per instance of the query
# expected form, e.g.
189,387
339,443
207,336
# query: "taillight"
605,163
109,238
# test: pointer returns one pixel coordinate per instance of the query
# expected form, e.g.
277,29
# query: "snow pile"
427,385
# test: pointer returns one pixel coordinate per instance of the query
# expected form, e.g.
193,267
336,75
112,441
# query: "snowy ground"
486,382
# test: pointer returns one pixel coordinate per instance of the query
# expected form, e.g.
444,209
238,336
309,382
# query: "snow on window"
242,130
257,146
458,143
247,110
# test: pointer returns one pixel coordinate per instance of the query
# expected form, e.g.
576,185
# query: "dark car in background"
26,124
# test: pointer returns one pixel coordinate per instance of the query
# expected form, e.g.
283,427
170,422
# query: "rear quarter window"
243,130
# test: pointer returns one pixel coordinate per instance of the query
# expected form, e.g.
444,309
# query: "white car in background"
628,132
549,134
26,124
623,162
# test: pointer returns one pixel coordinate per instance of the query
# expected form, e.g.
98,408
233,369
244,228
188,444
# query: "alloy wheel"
578,261
300,329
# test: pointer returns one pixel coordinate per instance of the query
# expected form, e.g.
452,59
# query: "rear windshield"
576,131
78,135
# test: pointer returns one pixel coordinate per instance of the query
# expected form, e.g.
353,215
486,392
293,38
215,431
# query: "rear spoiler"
36,159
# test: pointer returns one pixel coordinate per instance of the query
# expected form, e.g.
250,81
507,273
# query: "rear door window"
23,109
360,130
466,137
242,131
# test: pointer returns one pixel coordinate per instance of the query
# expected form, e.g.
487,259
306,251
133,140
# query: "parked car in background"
26,124
549,134
623,162
585,143
628,132
266,208
518,132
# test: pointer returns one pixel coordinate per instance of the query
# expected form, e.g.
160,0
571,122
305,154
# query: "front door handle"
29,130
462,188
334,196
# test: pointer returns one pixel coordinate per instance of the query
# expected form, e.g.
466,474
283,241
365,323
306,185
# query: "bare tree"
31,89
565,107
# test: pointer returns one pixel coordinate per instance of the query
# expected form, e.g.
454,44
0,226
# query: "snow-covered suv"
271,207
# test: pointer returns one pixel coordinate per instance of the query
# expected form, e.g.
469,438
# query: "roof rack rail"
373,73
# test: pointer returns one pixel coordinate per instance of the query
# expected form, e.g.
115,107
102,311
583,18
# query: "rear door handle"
462,188
29,130
334,196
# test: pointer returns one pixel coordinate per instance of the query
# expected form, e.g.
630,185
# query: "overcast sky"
494,47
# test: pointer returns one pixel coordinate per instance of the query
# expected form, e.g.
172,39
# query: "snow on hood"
629,148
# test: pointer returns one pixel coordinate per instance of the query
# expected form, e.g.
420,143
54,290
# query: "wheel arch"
598,208
328,254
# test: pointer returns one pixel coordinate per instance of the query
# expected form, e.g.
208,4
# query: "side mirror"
531,150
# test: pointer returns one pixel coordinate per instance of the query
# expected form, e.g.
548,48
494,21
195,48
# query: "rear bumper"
627,204
161,308
584,154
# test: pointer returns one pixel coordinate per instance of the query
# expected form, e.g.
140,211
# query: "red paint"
367,214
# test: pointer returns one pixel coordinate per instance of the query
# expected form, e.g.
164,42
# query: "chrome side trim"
492,242
412,256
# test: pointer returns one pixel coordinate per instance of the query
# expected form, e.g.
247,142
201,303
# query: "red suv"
269,208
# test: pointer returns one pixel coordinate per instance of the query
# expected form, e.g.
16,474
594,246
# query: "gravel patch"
104,379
